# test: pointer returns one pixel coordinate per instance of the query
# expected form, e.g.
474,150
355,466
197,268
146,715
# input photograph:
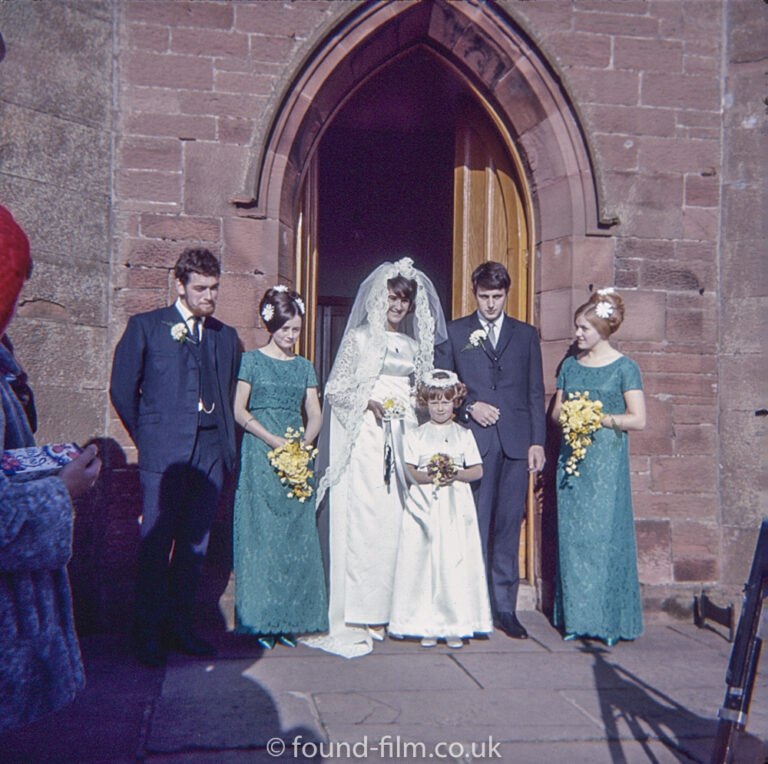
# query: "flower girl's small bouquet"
579,417
292,463
440,468
394,408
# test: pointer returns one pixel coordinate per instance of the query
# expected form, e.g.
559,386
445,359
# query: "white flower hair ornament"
279,288
299,304
268,312
604,309
606,290
430,380
404,266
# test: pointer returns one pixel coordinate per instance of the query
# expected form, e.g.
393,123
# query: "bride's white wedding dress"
361,472
366,508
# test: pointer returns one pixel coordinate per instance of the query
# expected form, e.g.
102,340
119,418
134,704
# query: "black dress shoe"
508,623
191,644
150,653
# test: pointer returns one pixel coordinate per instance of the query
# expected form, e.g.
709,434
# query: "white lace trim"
362,351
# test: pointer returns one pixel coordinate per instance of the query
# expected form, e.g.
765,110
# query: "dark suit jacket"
509,377
155,387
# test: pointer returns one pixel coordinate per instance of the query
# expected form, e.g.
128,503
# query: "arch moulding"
483,45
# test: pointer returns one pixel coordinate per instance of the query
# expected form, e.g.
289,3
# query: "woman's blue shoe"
266,642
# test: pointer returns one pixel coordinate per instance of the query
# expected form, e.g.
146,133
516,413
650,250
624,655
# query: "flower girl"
440,589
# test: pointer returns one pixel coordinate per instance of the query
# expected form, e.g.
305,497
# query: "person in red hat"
41,669
15,268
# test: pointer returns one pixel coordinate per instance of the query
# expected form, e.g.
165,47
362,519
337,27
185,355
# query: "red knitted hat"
14,264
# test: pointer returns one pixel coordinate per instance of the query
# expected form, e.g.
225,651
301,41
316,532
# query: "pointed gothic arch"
521,90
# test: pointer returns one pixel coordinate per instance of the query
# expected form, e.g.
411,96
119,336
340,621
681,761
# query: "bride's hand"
377,409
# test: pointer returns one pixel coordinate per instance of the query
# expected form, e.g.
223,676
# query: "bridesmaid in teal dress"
279,579
597,590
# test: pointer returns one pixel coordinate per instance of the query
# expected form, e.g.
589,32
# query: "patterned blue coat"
41,669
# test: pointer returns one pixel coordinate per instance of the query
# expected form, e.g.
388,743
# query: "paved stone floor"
541,700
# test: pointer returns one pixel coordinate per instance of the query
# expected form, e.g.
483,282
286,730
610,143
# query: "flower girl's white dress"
440,587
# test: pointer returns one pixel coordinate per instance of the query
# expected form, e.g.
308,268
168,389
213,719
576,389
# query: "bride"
388,344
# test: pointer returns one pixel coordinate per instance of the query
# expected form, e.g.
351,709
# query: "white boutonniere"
476,339
179,332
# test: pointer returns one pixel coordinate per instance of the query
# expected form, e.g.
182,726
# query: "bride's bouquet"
292,463
394,408
579,417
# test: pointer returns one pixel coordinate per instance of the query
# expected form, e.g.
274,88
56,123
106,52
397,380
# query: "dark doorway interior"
386,185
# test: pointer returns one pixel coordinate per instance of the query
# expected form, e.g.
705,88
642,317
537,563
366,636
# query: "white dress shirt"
189,317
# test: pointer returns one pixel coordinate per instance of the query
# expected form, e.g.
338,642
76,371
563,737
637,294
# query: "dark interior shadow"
650,715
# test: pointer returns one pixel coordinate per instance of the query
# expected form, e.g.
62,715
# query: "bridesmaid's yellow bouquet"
292,463
579,417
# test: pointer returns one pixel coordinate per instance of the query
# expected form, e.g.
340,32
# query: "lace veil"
361,356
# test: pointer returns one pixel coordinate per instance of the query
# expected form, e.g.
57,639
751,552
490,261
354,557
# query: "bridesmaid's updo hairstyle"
604,310
405,289
278,306
438,383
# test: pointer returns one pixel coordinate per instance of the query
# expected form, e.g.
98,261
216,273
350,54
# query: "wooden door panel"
490,224
306,257
489,213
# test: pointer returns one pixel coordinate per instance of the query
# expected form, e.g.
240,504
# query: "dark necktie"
196,328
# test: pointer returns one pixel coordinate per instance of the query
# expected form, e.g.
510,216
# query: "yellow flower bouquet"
292,462
394,408
579,417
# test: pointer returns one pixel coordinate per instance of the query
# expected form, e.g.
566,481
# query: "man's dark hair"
196,260
490,275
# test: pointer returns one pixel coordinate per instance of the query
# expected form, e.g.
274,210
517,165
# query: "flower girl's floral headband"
446,378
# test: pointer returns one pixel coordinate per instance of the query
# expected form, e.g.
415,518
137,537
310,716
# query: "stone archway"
486,47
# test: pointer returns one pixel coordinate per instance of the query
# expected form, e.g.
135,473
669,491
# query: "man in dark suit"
172,385
499,360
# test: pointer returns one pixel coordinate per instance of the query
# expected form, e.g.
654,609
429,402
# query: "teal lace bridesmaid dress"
279,579
597,592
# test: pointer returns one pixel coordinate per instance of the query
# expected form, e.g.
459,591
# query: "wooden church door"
491,221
